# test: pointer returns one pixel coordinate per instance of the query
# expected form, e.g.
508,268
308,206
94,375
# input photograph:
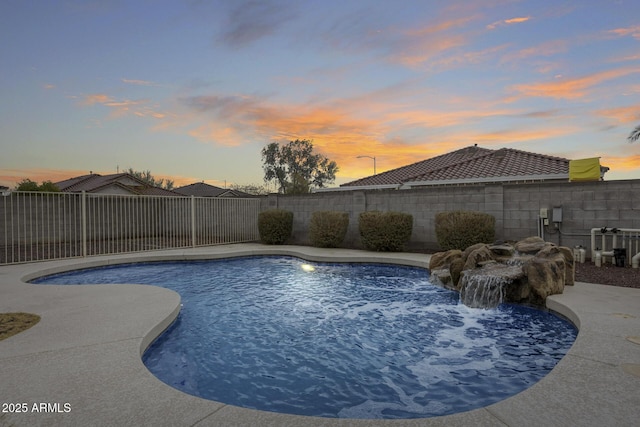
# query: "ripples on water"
344,340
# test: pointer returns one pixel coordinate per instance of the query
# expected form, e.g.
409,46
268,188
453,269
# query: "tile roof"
200,189
471,163
94,182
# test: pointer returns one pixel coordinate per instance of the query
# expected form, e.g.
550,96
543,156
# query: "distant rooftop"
119,183
200,189
471,164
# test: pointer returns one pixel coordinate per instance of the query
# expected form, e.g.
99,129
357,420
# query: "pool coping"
85,353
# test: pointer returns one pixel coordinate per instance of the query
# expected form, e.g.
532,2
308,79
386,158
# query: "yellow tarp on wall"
584,169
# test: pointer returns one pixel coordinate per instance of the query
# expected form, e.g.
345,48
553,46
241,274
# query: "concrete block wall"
516,208
584,206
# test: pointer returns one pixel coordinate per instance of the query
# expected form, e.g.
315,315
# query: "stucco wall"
516,208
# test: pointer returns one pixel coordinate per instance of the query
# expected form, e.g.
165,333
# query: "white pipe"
623,232
606,254
635,260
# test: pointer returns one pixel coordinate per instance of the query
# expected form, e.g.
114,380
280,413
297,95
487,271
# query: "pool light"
307,267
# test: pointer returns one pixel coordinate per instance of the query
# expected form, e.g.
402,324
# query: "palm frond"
634,135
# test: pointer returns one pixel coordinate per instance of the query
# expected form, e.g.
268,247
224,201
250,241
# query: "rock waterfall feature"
486,275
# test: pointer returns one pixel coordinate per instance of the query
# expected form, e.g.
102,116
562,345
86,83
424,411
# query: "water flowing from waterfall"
482,291
485,288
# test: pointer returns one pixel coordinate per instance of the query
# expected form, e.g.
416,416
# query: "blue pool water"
337,340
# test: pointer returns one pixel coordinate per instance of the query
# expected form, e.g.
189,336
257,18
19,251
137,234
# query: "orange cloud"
514,136
120,108
389,155
419,46
517,20
628,163
509,21
571,88
347,129
474,57
438,119
629,31
222,135
96,98
549,48
630,114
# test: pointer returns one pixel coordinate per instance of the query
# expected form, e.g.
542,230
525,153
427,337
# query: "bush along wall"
385,231
461,229
275,226
328,228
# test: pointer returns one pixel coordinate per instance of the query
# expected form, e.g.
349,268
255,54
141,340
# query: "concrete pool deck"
82,360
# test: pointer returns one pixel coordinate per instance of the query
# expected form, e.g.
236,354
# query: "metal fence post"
193,221
83,212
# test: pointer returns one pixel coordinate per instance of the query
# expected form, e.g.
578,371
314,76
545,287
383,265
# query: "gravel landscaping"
608,275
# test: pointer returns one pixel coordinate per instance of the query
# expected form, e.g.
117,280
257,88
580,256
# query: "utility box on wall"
557,214
544,215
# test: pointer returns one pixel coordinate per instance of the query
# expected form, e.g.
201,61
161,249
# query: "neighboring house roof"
500,165
468,165
200,189
119,183
404,173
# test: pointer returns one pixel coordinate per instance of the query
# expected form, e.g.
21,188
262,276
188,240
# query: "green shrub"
385,231
275,226
461,229
328,228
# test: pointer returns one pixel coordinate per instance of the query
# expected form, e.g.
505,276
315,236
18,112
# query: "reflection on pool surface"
337,340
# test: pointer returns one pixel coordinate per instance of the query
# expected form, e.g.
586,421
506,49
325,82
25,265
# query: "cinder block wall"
516,208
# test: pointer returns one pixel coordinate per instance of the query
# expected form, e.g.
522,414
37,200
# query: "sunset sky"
193,90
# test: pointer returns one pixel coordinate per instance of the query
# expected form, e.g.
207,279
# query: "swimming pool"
337,340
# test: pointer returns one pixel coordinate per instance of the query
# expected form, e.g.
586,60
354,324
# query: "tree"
49,186
295,167
150,180
28,185
634,135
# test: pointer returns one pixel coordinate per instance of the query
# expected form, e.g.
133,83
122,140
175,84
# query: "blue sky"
193,90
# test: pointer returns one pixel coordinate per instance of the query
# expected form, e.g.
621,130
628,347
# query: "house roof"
471,164
94,183
200,189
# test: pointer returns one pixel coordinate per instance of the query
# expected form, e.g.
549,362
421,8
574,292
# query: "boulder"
526,272
442,277
530,245
466,252
477,256
502,250
545,276
551,251
443,259
569,266
456,267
